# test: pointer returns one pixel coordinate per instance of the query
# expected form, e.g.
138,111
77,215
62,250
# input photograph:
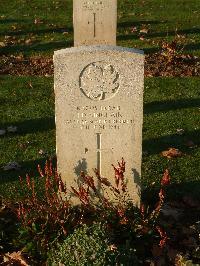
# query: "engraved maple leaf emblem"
99,81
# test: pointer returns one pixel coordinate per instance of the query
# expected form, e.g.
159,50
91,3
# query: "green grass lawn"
169,104
40,27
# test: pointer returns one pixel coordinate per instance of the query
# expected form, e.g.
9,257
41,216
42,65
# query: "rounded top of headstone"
94,48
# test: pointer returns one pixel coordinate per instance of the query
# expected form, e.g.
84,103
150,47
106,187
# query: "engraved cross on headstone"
99,152
95,22
94,25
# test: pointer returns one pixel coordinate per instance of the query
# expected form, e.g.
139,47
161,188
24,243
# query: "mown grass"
169,104
27,103
40,27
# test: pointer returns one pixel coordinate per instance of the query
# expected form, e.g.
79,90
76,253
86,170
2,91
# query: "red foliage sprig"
163,236
53,213
119,175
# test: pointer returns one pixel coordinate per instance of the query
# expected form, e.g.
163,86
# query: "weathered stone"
95,22
99,112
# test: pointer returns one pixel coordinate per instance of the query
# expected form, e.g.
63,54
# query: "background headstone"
95,22
99,112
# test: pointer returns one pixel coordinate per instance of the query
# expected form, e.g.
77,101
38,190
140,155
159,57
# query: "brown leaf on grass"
134,29
15,257
112,247
2,44
172,153
14,27
180,131
145,31
38,21
142,38
28,41
30,84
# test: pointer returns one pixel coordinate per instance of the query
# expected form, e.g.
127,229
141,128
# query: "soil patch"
156,65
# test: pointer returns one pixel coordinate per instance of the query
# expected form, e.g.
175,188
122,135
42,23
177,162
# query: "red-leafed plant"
49,217
45,214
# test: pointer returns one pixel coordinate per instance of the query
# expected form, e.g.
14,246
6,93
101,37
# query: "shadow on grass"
175,191
127,24
27,167
32,125
159,34
10,20
37,47
165,106
173,33
157,145
192,46
38,31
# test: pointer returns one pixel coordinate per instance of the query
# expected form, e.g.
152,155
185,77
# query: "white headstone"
99,112
95,22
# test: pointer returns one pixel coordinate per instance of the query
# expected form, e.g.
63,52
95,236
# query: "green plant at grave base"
88,245
50,219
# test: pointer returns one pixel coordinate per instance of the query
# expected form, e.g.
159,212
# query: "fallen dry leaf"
113,247
180,131
41,152
133,29
142,38
172,153
15,257
38,21
155,64
30,85
144,31
2,44
14,27
29,41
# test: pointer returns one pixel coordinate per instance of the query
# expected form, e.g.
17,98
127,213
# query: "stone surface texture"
99,112
95,22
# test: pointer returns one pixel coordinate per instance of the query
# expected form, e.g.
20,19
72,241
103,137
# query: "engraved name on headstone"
99,112
95,22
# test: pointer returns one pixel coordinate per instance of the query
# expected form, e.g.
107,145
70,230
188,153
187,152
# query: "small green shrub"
88,245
